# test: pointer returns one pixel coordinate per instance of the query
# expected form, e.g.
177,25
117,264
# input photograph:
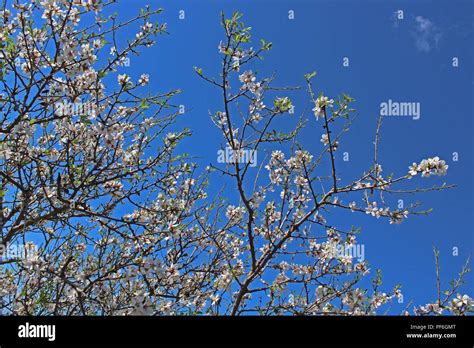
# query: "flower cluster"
373,210
325,141
461,304
123,80
430,166
247,79
234,214
320,105
249,83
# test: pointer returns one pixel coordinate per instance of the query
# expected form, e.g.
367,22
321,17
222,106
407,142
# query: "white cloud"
427,35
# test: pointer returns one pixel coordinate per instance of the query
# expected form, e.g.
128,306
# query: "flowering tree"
284,255
115,222
87,172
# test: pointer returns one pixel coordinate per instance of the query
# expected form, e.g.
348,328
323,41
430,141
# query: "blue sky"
407,60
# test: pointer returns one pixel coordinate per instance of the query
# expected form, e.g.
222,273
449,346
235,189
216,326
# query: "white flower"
235,63
142,305
256,117
429,308
5,14
374,211
123,79
430,166
147,27
214,299
98,43
26,67
170,138
301,181
247,78
361,267
325,139
413,169
257,104
291,299
277,156
144,80
320,104
221,47
234,214
462,301
256,88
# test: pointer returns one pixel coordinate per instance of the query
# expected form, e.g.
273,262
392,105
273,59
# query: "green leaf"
144,105
309,76
198,70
